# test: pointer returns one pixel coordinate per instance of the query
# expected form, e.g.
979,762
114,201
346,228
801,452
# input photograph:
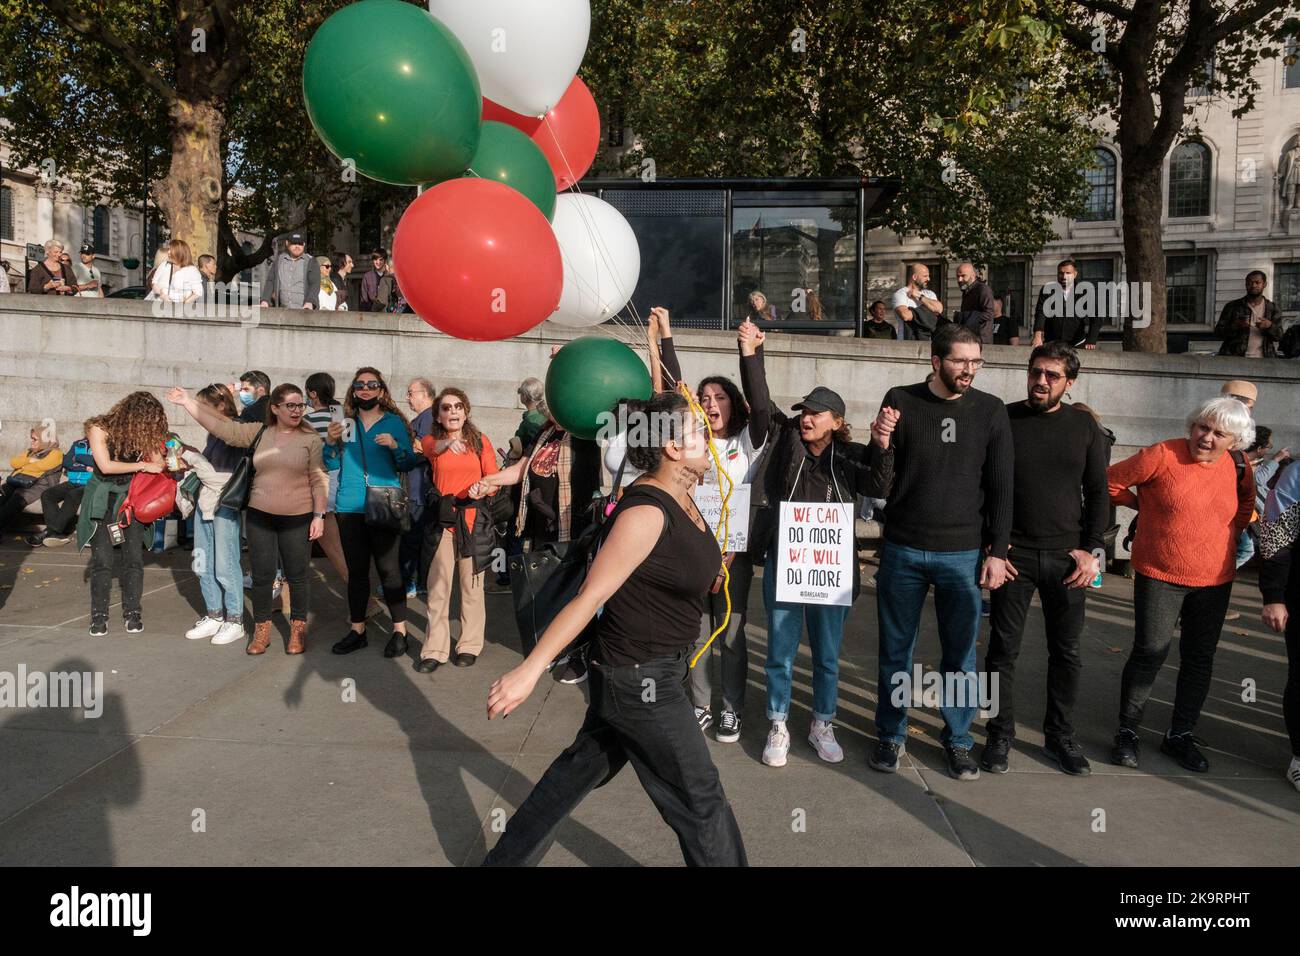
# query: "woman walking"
1194,496
650,575
126,440
286,505
461,457
377,448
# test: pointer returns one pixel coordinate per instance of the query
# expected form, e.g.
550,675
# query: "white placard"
815,553
708,498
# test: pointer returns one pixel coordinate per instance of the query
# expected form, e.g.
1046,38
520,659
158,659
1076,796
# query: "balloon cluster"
479,102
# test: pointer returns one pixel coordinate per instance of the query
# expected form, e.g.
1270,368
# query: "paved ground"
205,756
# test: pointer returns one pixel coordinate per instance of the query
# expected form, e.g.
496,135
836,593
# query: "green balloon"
587,377
390,88
507,155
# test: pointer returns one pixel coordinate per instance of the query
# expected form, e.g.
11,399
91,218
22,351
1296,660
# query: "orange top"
454,473
1190,512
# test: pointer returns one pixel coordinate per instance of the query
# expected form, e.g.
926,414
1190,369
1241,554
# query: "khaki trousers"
437,643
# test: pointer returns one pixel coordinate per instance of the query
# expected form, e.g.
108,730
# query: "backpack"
78,462
1238,459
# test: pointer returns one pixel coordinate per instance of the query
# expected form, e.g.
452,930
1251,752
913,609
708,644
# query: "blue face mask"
246,398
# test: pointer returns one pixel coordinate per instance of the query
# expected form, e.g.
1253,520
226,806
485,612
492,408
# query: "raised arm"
236,434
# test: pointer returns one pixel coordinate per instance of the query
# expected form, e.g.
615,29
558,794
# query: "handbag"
239,487
150,496
21,482
388,507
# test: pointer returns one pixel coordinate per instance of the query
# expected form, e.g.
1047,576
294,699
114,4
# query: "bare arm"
105,462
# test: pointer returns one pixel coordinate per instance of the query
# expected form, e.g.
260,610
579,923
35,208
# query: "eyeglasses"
293,406
973,364
367,386
1052,377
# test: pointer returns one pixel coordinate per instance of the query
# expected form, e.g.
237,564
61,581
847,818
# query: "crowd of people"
1014,499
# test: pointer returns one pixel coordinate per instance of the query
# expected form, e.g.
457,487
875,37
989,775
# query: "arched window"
1189,181
6,213
1099,200
101,230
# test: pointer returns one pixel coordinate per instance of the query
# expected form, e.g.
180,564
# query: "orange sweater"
1191,512
453,474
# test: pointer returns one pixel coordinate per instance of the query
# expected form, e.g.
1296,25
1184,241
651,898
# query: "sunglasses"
1052,377
458,407
367,386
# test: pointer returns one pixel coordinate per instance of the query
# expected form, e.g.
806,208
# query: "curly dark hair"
739,419
136,427
670,406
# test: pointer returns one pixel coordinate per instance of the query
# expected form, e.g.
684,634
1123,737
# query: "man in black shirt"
1006,330
1057,529
254,395
1057,315
949,505
976,311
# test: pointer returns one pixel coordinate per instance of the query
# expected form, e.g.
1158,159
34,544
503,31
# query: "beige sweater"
286,468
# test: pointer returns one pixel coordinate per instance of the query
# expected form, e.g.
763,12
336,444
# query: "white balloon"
526,52
602,260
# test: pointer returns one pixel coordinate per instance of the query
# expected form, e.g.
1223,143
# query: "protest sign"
815,551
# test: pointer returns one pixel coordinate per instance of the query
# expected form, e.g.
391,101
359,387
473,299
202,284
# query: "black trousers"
1043,572
363,544
279,542
60,505
11,506
1291,695
1156,606
416,551
642,715
128,561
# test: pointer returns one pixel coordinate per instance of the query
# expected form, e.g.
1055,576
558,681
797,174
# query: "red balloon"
478,260
569,136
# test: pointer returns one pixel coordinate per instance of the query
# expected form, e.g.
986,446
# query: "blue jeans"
1245,547
216,561
785,623
905,577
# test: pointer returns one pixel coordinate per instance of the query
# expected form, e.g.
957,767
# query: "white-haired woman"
50,276
1194,496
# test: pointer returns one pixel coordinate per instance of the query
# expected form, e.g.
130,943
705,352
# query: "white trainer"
778,745
822,736
1293,772
231,631
203,628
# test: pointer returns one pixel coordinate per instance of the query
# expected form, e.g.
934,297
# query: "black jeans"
638,713
1063,615
279,542
11,506
361,545
129,556
60,505
1156,606
1291,695
416,551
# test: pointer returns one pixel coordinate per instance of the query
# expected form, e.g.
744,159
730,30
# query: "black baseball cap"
296,237
822,399
88,249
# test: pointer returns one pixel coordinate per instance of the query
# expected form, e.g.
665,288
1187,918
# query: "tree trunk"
1142,188
190,194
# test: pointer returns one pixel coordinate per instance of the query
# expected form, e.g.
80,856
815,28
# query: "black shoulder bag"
239,487
388,507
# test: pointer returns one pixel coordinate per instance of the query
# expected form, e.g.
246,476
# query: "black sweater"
1061,499
953,471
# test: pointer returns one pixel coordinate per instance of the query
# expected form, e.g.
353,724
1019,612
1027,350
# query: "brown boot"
261,639
297,637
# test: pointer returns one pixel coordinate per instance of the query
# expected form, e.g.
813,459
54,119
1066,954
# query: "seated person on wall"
61,502
33,471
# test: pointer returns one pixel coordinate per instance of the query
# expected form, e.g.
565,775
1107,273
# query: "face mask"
365,404
246,398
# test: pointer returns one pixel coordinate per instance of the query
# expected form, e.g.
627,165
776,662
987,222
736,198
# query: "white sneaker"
204,628
778,745
822,736
230,632
1293,772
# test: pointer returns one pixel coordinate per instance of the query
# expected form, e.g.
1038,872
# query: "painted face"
1209,442
717,407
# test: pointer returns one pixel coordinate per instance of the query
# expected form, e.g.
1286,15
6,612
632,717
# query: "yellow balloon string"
724,525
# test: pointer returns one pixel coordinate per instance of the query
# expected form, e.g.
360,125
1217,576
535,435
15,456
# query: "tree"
987,143
97,89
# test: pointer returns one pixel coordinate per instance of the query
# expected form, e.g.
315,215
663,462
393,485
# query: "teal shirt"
383,463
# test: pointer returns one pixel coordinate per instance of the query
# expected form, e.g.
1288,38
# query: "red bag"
150,497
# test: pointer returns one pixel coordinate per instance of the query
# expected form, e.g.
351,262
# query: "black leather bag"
388,507
239,487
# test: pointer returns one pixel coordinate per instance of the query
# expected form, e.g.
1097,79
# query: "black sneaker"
1125,751
704,717
885,757
133,623
353,642
36,540
396,646
728,727
575,670
98,626
961,765
1068,756
996,751
1182,747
